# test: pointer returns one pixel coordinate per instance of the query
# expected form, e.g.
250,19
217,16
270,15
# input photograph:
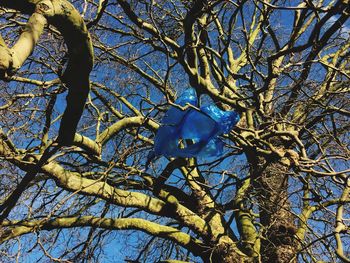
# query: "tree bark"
279,228
62,15
225,252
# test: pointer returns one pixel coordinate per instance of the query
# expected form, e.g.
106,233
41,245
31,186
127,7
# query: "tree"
280,193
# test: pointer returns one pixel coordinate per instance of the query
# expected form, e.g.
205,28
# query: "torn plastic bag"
225,119
175,115
166,141
188,137
214,148
198,126
191,132
168,135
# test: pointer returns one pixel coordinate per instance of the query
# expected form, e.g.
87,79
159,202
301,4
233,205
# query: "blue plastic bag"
193,132
175,115
226,119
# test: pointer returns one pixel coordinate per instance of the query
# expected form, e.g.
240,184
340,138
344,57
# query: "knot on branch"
225,252
45,7
282,234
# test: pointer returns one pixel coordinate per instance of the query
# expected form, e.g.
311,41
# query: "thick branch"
11,59
129,122
170,233
62,15
72,182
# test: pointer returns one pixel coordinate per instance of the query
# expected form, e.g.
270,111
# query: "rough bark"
271,186
225,253
62,15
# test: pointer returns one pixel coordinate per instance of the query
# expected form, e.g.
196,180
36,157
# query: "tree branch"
19,228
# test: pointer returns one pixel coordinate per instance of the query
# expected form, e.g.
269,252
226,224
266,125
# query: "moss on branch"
62,15
15,229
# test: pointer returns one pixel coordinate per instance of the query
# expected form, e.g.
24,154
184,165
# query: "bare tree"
280,192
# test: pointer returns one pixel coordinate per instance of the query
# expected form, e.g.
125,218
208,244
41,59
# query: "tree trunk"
225,253
271,186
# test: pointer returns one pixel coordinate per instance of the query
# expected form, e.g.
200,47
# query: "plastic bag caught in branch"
192,132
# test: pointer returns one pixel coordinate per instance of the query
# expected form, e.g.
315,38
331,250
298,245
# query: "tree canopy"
85,85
